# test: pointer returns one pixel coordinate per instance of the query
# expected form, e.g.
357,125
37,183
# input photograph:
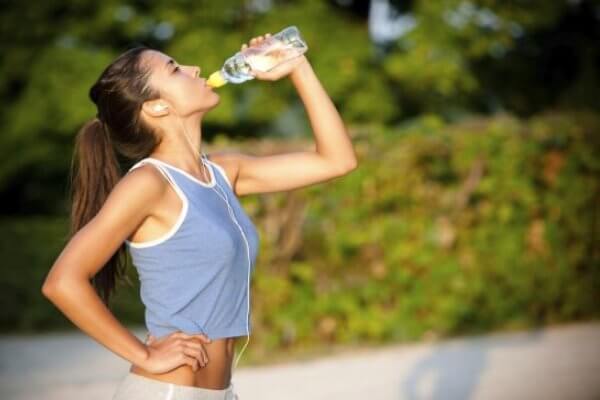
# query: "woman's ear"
155,108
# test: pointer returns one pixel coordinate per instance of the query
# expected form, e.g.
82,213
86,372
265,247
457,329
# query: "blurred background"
476,204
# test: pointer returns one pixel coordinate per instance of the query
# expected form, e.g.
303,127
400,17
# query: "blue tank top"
196,277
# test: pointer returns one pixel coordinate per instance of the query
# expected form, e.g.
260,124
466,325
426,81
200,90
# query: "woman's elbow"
48,288
54,286
349,166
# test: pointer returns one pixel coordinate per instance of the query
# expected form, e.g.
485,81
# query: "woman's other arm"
68,284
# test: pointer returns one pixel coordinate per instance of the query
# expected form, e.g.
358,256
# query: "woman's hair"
117,134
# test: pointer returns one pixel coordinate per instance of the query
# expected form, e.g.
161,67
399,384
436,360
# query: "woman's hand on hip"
174,350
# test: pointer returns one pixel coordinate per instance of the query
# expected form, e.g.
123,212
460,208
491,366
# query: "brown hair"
117,135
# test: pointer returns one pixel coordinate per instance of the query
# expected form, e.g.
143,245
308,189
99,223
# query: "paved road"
562,362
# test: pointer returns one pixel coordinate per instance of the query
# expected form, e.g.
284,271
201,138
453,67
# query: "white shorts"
138,387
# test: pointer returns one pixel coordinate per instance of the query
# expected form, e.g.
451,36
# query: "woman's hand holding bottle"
268,58
174,350
279,71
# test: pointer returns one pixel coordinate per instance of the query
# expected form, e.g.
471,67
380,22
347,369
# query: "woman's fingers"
192,362
198,348
256,40
205,356
197,351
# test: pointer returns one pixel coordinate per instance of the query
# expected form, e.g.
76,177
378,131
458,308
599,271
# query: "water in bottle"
271,52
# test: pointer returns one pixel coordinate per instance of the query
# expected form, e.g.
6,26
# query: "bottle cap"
216,79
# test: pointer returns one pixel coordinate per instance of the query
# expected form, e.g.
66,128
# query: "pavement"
558,362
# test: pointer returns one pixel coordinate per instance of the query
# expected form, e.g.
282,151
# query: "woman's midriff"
215,375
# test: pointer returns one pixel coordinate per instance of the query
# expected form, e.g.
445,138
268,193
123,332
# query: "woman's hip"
138,387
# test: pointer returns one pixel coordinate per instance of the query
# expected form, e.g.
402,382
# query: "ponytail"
117,131
95,171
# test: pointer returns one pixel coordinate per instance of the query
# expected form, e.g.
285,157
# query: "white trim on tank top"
217,166
182,214
210,172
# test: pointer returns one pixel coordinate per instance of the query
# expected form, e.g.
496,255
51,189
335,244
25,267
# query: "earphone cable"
223,195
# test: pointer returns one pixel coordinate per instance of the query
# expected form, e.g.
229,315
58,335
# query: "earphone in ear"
160,107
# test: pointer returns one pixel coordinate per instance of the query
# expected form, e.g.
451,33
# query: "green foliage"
442,230
28,247
438,63
445,228
461,56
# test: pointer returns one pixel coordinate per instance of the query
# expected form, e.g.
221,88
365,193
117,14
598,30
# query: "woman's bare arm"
68,284
333,155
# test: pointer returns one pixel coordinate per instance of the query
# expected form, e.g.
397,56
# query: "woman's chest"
224,226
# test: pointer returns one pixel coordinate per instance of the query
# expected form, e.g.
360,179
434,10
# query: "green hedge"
443,229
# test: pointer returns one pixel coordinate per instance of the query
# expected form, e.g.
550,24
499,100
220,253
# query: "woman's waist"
215,375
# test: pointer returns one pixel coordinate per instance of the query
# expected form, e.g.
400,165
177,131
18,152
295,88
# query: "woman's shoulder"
140,187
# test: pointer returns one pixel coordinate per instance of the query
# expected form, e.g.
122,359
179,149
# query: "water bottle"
271,52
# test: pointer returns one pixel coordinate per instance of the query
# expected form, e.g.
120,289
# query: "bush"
481,225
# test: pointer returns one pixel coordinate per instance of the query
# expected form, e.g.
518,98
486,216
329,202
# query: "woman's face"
180,85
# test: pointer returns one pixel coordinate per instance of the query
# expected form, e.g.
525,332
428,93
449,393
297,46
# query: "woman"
176,211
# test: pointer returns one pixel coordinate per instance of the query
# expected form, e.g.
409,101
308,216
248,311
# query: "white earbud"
160,107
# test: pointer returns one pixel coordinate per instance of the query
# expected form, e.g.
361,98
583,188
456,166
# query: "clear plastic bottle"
271,52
